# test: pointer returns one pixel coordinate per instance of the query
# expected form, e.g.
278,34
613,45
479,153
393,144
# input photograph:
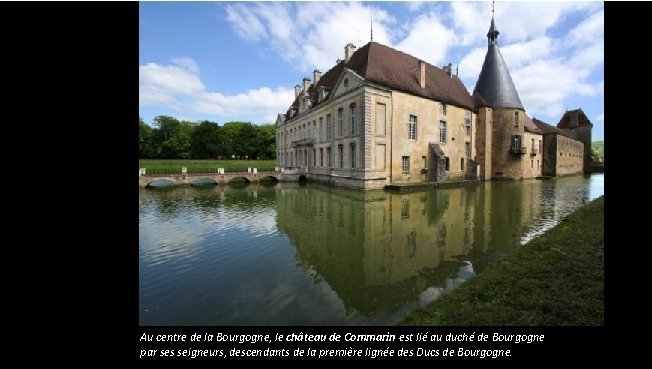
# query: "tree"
205,141
145,136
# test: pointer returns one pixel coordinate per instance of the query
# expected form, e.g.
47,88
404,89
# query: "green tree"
145,137
206,141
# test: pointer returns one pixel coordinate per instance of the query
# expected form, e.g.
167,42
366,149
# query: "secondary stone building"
381,116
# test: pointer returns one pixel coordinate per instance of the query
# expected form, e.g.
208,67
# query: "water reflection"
310,254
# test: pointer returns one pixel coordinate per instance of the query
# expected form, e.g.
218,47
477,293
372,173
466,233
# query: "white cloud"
310,35
517,54
245,23
426,32
600,118
179,87
544,84
413,6
471,21
590,30
519,21
186,63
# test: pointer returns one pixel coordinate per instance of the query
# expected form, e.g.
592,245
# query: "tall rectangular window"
442,132
405,164
321,126
533,147
467,123
340,155
531,163
467,149
537,163
321,157
515,119
381,118
442,109
329,155
352,115
423,162
540,148
340,122
352,155
314,157
412,128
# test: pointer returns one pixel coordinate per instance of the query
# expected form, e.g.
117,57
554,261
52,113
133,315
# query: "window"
321,157
352,115
442,109
405,209
314,157
340,122
467,123
540,149
462,164
537,163
412,128
352,155
442,132
329,127
411,243
467,149
423,162
405,164
515,119
346,82
340,153
448,164
321,127
516,143
531,163
329,155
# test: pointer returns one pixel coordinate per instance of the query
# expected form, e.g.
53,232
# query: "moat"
290,254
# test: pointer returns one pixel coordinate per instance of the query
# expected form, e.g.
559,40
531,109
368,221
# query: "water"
289,254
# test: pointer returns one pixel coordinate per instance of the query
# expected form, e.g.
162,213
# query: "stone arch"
162,182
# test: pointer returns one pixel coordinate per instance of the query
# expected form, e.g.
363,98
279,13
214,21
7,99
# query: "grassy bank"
200,165
556,279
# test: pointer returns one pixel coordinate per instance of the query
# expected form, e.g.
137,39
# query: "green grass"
556,279
205,165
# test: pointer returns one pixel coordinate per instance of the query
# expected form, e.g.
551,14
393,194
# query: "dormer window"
346,82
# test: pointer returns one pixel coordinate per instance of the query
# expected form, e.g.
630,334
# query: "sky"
239,61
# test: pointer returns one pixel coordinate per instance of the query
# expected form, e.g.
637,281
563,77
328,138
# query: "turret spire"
492,35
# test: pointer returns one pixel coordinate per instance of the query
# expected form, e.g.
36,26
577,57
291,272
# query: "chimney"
306,84
316,75
348,51
422,78
297,91
449,69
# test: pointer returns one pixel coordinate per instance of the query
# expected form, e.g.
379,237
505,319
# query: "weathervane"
372,24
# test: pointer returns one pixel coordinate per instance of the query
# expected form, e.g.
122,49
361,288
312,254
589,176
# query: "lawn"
174,165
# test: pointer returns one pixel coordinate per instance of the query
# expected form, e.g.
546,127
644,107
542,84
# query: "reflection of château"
381,250
381,116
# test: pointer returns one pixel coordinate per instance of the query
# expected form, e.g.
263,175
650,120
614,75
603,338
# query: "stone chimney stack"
316,75
348,52
449,69
422,77
306,84
297,91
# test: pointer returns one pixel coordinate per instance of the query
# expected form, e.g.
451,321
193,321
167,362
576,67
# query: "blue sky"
225,61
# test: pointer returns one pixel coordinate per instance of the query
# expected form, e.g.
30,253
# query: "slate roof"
582,119
495,83
397,70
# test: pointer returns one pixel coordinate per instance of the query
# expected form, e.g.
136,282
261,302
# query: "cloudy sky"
224,61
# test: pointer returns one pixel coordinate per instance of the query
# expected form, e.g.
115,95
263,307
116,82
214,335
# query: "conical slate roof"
495,84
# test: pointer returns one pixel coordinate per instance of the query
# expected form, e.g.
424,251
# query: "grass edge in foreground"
555,279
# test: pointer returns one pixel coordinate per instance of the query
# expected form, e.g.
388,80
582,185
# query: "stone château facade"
381,116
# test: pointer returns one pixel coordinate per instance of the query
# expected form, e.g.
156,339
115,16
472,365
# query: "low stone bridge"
144,180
